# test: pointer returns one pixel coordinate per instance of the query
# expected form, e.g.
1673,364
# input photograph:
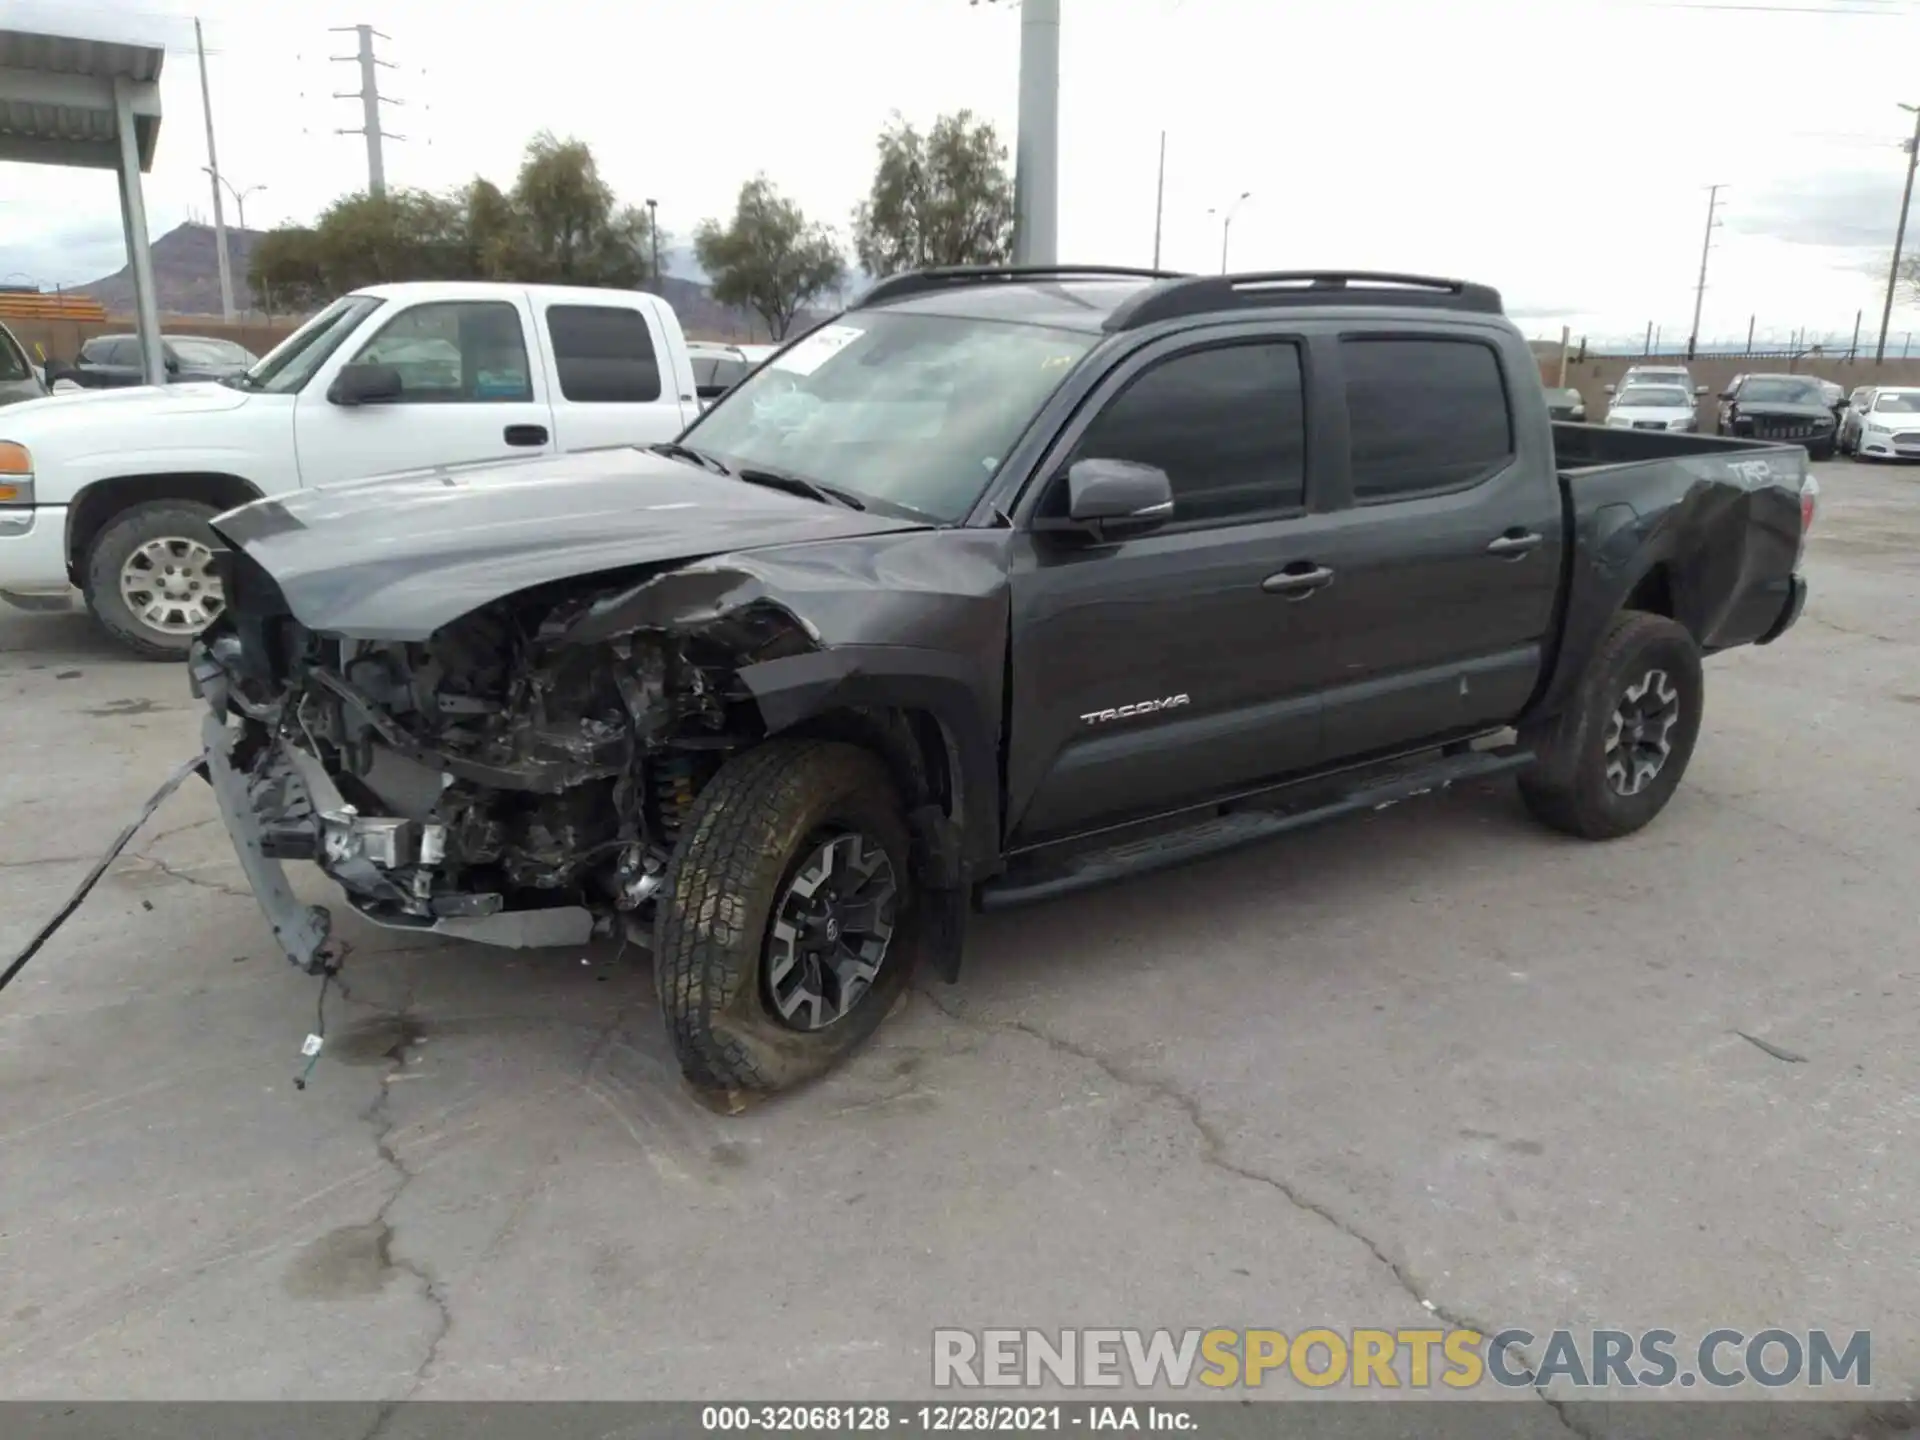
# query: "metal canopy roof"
57,102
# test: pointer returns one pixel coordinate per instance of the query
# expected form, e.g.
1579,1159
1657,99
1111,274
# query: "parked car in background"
110,362
1780,407
1658,375
20,378
115,490
1647,406
1888,428
1567,403
717,368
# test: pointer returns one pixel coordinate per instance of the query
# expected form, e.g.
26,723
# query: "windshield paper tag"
818,348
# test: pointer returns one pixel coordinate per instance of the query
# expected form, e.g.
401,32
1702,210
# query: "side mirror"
365,385
1111,500
1699,389
1607,388
172,362
707,394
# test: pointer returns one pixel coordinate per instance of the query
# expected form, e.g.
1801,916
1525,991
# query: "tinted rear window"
603,355
1425,415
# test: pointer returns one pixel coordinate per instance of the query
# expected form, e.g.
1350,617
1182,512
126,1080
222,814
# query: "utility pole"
1900,234
1706,245
1647,349
370,100
1854,348
1750,320
1159,199
213,169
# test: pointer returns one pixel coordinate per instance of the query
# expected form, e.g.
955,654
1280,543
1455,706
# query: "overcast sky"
1559,149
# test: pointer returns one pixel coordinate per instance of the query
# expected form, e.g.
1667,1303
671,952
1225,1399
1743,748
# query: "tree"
770,259
575,231
940,199
285,270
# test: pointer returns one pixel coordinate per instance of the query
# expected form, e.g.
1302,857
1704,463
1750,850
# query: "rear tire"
1610,762
731,944
163,544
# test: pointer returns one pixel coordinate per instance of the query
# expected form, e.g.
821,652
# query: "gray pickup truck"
1003,584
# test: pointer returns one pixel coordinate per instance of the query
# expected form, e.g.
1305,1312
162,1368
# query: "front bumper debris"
284,807
302,930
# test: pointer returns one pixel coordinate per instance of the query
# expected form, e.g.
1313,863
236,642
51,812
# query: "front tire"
788,925
149,580
1610,762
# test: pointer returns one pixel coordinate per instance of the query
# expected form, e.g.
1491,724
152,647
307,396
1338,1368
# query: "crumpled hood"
82,409
396,558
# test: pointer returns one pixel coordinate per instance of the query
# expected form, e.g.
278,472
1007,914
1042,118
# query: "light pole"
239,193
1036,150
653,229
1226,224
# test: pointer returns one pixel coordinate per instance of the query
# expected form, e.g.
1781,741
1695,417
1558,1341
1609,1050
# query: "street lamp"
1226,224
653,229
239,195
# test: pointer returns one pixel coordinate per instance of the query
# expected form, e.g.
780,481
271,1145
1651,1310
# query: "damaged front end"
518,778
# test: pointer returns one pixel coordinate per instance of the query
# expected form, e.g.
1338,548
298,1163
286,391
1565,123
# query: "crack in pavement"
175,873
1213,1152
378,1116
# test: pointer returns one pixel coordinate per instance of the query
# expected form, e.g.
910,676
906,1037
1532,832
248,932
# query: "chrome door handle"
1298,584
1512,546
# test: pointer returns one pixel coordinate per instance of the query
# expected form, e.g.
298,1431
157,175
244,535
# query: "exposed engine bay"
503,779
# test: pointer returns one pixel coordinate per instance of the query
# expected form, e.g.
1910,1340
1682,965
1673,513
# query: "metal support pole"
1647,349
1899,235
1036,176
1656,342
213,170
1750,320
133,211
1854,348
1565,332
1159,199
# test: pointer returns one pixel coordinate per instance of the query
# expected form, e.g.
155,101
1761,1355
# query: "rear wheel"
788,925
1612,759
149,577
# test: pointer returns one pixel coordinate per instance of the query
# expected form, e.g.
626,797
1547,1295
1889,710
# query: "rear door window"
1425,415
603,355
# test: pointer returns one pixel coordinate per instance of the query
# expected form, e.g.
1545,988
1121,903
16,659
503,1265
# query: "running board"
1029,883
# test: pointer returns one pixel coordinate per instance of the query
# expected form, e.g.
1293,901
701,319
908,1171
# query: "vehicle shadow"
60,635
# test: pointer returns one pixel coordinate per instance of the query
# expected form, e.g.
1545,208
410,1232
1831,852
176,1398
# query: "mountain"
186,273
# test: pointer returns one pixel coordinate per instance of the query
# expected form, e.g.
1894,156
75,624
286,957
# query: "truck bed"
1579,448
1704,528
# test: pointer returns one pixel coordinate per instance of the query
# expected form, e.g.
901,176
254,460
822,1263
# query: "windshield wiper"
674,450
795,485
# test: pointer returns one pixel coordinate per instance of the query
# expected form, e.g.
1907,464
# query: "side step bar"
1029,883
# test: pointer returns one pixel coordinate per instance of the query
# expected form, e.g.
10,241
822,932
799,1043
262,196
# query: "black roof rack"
1207,294
921,282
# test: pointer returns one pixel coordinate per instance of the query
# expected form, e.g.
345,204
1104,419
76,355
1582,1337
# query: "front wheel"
787,927
1609,762
149,577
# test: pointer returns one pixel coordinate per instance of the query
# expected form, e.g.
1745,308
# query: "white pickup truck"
112,490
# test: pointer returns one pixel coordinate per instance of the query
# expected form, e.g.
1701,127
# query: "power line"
370,100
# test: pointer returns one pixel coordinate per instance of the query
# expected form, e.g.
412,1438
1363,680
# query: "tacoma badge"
1127,712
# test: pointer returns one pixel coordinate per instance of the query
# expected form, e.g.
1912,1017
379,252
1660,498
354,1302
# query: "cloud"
1848,209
